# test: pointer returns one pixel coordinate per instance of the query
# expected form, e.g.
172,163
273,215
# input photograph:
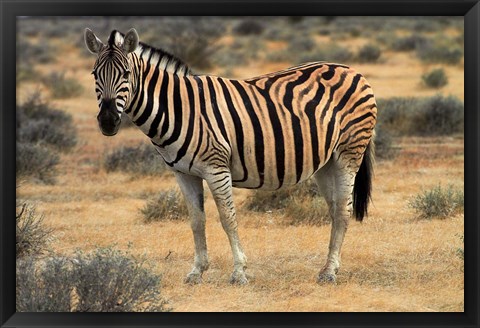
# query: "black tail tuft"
362,189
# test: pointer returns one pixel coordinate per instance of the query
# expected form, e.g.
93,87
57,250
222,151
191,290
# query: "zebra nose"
108,118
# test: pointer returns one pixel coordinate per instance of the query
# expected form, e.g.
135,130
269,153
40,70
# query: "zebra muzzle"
108,121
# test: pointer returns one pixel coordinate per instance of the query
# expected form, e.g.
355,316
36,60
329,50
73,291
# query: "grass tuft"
140,159
167,205
435,78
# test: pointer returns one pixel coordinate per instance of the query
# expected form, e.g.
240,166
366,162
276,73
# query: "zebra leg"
221,187
338,180
192,189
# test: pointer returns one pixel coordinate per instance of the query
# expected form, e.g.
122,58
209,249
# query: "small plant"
435,78
437,203
32,236
62,87
140,159
369,53
168,205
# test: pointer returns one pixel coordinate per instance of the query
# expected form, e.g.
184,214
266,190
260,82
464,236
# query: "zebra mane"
165,60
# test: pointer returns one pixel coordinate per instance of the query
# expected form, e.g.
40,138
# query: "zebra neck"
157,105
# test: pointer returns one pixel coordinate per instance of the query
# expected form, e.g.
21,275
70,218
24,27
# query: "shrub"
431,52
435,78
109,280
408,43
368,53
168,205
37,161
105,280
383,143
38,122
44,285
437,202
32,236
438,115
194,40
62,87
248,27
34,53
140,159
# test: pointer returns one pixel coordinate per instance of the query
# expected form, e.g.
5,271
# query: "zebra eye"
126,74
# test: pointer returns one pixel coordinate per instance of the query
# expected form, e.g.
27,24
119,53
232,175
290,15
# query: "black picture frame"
470,9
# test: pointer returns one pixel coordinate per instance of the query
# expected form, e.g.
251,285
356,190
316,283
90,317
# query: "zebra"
267,132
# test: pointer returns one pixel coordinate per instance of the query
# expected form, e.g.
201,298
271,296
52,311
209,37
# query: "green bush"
62,87
32,236
167,205
105,280
140,159
438,202
435,78
369,53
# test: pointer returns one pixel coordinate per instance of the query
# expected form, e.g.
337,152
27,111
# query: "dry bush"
384,148
61,86
437,202
312,211
105,280
167,205
37,162
140,159
369,53
408,43
248,26
32,236
44,285
436,115
39,122
435,52
109,280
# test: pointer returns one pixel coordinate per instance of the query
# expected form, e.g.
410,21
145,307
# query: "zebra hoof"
193,279
238,278
327,278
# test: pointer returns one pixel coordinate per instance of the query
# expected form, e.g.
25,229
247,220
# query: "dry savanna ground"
393,261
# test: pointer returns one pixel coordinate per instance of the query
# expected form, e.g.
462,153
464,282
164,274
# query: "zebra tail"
362,189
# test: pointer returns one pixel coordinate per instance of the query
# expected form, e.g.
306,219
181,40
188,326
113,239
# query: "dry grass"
391,262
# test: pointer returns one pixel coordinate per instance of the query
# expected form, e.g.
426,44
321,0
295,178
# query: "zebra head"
113,78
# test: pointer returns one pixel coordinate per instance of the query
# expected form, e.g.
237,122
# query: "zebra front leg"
221,187
192,190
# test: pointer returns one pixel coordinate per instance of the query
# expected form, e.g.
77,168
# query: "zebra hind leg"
335,182
192,189
221,188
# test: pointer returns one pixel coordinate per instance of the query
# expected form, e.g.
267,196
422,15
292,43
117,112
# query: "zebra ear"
130,41
93,43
